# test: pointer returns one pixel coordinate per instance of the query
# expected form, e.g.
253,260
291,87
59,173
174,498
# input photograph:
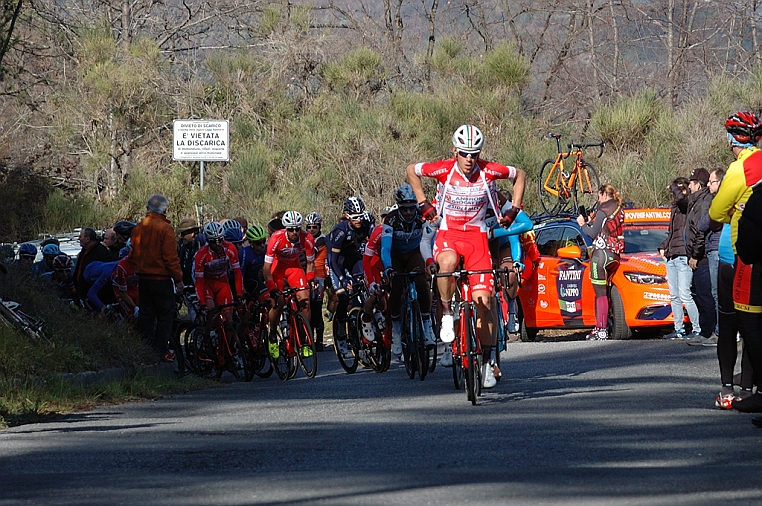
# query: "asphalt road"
572,422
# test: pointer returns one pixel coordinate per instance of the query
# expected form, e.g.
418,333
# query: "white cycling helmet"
213,231
468,138
292,219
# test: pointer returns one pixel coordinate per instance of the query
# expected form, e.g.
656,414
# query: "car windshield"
644,239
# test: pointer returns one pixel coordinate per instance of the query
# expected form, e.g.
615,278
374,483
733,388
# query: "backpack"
749,239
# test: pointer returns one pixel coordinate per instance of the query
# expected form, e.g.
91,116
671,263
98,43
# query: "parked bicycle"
566,191
295,340
374,354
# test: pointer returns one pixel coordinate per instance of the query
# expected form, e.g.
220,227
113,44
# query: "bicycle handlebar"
600,145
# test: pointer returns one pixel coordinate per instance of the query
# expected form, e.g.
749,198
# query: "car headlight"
644,278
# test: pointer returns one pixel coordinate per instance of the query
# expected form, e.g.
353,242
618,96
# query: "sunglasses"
312,226
293,229
355,217
213,241
259,243
408,209
472,155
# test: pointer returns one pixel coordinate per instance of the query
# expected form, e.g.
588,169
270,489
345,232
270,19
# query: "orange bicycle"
563,191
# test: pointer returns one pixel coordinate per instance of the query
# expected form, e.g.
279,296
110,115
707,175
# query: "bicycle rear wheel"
348,360
234,356
305,351
201,351
555,198
256,347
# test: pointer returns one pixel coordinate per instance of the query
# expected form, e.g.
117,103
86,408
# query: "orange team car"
559,294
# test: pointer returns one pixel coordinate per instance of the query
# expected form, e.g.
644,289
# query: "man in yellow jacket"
154,254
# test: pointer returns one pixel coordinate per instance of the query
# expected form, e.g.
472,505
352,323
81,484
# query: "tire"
199,351
470,352
408,346
304,341
528,334
349,361
260,364
584,194
552,204
618,328
421,353
433,359
283,365
232,354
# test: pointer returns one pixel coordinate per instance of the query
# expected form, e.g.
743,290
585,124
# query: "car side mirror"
569,252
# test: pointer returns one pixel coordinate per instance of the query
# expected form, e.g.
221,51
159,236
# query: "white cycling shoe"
447,331
488,376
396,338
367,330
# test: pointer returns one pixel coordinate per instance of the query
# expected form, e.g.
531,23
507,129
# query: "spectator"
154,254
712,245
698,205
92,251
49,252
125,284
679,275
608,243
110,242
744,131
27,253
189,243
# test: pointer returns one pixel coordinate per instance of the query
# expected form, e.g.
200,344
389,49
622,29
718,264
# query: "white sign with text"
200,140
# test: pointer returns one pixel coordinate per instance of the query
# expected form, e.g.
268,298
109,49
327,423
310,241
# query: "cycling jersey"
212,273
372,265
251,268
735,190
98,274
125,279
402,237
462,201
282,253
349,243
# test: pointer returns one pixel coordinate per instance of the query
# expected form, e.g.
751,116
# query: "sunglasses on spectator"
293,229
466,155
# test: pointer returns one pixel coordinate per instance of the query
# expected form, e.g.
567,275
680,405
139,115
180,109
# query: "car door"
572,287
546,309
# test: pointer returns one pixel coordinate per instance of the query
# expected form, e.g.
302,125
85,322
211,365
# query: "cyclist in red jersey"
282,263
462,201
212,263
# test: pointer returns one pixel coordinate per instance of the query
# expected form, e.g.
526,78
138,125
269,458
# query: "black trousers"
157,314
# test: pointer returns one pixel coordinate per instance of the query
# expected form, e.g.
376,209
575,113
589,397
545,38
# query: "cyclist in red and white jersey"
283,263
462,201
212,263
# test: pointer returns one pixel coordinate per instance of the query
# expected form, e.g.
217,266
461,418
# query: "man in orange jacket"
154,254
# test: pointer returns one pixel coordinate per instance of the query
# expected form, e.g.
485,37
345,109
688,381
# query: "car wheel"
618,328
528,334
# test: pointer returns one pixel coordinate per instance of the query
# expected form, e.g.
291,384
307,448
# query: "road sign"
200,140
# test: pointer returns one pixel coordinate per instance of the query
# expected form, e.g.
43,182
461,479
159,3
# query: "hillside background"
331,98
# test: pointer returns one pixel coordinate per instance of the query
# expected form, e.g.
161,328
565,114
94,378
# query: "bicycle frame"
414,351
563,185
291,344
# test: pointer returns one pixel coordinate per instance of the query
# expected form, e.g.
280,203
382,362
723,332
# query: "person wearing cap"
695,246
49,252
188,244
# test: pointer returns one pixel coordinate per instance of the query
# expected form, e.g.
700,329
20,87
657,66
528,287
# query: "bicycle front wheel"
472,373
348,356
552,188
282,364
421,352
585,188
305,351
408,345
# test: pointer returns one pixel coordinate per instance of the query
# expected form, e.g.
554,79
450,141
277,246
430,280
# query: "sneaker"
306,351
397,338
367,330
752,404
692,335
274,349
341,345
696,340
488,376
446,359
446,330
677,334
725,401
710,341
428,334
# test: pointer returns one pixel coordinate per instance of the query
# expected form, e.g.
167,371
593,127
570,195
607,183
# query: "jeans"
703,299
714,268
679,279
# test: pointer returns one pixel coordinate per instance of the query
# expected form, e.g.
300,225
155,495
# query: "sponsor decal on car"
569,288
541,289
656,296
544,304
541,277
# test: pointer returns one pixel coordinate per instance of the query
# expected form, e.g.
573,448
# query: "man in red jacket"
154,255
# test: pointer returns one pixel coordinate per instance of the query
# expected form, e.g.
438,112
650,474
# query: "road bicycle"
415,354
466,348
24,322
563,190
219,350
253,332
295,340
374,354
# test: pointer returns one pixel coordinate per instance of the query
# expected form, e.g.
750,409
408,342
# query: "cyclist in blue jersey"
252,259
344,244
401,251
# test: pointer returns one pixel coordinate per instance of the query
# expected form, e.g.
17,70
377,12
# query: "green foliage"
22,196
629,120
503,66
63,213
450,58
360,71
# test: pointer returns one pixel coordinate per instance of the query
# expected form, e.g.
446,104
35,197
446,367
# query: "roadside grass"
35,381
